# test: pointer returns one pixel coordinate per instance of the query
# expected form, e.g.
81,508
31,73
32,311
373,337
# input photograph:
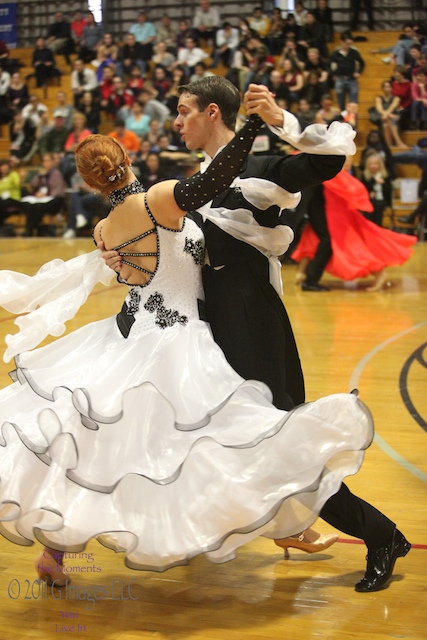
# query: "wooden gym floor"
347,338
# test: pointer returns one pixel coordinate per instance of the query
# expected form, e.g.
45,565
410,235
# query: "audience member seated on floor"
43,62
89,107
419,101
91,38
127,138
47,198
129,54
386,115
82,79
59,38
10,191
85,206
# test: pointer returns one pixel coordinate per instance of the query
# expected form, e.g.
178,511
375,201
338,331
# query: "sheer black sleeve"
193,192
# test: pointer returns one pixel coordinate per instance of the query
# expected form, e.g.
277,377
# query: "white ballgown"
152,442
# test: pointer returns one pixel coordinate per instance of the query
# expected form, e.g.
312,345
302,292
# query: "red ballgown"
359,247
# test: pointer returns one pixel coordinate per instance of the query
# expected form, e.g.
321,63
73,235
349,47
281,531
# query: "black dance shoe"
381,563
306,286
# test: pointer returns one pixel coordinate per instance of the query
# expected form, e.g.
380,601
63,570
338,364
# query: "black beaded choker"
118,196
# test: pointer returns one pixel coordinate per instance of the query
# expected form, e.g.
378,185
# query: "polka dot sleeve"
196,191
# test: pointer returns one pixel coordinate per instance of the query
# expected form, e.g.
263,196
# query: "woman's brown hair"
102,162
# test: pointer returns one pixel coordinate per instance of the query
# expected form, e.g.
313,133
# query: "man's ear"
213,111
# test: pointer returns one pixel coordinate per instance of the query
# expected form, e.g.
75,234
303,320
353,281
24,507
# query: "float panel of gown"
154,445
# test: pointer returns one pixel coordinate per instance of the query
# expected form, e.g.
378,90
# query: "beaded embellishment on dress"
196,249
118,196
164,317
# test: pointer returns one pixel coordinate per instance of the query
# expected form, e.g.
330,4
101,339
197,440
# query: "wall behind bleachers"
34,16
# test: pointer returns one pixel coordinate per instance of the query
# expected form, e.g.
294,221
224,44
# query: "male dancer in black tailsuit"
245,312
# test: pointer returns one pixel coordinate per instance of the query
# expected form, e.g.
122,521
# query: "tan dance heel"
309,541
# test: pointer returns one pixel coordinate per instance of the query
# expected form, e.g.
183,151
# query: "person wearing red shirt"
402,88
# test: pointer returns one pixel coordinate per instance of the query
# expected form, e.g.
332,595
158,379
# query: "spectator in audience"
10,191
145,33
120,100
17,93
290,52
323,15
58,37
375,143
313,34
137,121
91,39
47,197
106,86
206,21
402,88
33,110
154,131
275,36
162,56
312,90
82,79
260,23
190,55
245,30
5,110
419,101
328,112
346,64
291,28
414,58
260,68
377,181
387,115
7,63
43,62
355,8
152,172
278,87
161,82
130,54
293,78
63,104
300,13
184,32
305,113
53,141
79,132
77,27
315,63
106,55
226,43
179,77
421,66
129,139
152,107
89,107
167,32
22,132
136,81
200,71
84,207
400,51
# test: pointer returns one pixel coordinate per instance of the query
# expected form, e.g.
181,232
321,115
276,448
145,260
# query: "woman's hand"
112,258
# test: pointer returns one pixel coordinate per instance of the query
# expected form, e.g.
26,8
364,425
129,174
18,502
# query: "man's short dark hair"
219,90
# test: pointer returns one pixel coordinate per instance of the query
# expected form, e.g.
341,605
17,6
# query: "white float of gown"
153,440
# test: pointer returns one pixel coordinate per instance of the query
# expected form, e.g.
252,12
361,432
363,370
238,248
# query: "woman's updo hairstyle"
102,162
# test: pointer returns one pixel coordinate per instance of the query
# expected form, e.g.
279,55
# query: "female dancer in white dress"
134,429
